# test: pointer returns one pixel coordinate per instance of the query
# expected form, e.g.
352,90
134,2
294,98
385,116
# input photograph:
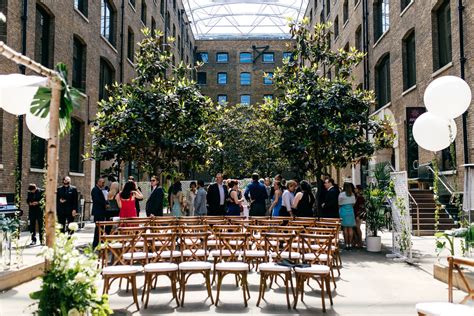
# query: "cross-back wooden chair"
187,220
275,221
105,228
139,254
334,223
212,221
450,308
320,269
232,247
171,254
162,221
255,253
275,253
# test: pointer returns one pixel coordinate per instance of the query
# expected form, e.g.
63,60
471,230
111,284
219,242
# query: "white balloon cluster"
445,99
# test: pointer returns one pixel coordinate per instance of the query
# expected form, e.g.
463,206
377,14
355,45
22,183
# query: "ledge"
448,172
381,109
76,174
408,90
407,7
82,15
108,43
1,166
37,170
381,38
442,69
357,5
345,24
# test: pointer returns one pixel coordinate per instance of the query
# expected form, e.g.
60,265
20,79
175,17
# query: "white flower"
73,226
73,312
3,18
80,277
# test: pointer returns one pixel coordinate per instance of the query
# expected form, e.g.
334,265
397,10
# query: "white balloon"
40,126
447,97
434,133
17,100
19,80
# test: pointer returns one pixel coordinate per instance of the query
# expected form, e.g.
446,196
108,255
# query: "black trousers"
63,217
220,211
257,209
36,216
99,218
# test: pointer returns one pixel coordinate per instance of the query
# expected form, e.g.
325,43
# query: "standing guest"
126,200
268,201
35,212
346,211
154,204
279,178
234,205
66,203
169,185
177,199
99,207
287,199
256,194
137,200
190,196
359,213
277,199
330,205
113,208
304,201
217,195
200,208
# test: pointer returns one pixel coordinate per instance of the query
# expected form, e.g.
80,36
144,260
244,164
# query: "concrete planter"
374,244
441,273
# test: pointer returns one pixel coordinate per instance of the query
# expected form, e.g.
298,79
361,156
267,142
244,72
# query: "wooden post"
52,174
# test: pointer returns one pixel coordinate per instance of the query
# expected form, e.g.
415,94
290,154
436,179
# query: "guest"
200,208
359,213
99,207
287,199
66,203
126,200
272,189
277,199
256,194
190,197
234,205
113,208
268,186
154,204
35,212
177,199
217,195
346,210
304,201
137,200
330,205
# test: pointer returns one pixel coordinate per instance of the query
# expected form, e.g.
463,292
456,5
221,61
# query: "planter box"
12,278
441,272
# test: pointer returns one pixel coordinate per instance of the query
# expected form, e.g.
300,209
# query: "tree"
156,120
324,121
245,141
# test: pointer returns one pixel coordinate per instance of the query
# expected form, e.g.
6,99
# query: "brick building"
408,44
96,40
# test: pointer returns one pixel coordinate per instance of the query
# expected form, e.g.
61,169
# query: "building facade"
408,44
97,41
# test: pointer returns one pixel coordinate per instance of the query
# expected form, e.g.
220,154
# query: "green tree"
156,120
324,121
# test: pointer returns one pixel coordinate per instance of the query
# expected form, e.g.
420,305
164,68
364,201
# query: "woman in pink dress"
126,200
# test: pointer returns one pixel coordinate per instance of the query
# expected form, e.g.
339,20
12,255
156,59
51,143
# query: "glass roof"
215,19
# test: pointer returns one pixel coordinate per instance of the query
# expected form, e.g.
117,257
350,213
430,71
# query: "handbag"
113,206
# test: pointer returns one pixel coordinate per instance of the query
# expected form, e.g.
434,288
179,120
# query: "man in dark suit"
66,203
330,204
35,212
217,195
154,204
256,194
99,207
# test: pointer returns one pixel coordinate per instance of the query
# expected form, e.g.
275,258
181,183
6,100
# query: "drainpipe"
365,48
122,26
462,60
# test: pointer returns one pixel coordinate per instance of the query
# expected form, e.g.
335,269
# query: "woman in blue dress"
346,212
235,199
277,199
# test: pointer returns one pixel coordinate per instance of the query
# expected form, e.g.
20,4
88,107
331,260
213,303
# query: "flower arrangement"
384,136
69,283
9,224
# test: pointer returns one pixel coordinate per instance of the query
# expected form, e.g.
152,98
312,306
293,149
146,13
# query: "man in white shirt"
217,195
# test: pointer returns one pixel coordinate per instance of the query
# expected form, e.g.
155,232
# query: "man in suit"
66,203
154,204
330,204
217,195
35,212
256,194
200,208
99,207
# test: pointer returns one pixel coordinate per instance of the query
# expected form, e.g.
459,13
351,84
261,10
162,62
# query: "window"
202,77
288,55
404,4
130,44
3,26
174,31
81,6
106,78
409,61
222,57
107,22
358,39
76,149
168,20
311,16
268,97
245,99
245,58
132,2
203,57
162,8
268,78
153,26
442,46
345,11
38,152
143,13
245,78
44,44
268,57
79,64
222,99
222,78
336,27
174,5
381,18
382,81
328,7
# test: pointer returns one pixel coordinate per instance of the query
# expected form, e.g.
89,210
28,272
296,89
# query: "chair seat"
189,253
255,253
121,269
195,265
314,269
311,256
212,242
232,266
444,309
286,255
161,267
138,255
139,244
168,254
116,245
270,266
225,253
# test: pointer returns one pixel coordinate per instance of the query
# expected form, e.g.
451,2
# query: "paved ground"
370,284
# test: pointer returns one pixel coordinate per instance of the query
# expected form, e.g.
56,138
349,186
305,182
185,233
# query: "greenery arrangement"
384,135
374,202
10,224
68,286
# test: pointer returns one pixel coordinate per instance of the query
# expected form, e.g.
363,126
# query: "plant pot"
374,244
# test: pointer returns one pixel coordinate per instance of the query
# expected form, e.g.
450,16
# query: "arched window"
107,77
76,143
336,27
37,152
79,62
381,18
382,81
44,38
130,44
108,18
345,11
143,13
442,45
81,6
409,60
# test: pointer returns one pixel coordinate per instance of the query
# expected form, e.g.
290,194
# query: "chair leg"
322,295
236,280
297,289
333,278
261,288
219,283
134,290
106,285
328,288
173,286
287,276
148,281
208,285
244,284
182,287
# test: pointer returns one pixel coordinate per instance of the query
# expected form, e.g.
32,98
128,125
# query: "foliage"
156,120
10,224
324,120
384,135
69,283
245,141
374,203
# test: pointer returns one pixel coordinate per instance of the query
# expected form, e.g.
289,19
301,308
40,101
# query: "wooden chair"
255,253
449,308
334,223
275,253
320,268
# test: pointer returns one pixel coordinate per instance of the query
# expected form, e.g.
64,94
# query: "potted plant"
375,216
384,138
